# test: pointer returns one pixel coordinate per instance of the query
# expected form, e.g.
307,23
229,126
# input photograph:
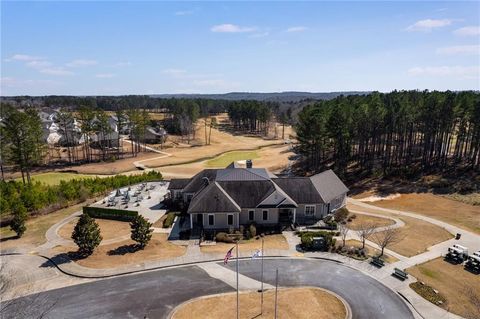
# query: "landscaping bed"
455,284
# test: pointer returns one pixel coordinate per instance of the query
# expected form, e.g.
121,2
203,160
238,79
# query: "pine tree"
141,232
19,219
86,235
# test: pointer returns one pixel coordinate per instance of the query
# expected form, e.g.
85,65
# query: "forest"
401,133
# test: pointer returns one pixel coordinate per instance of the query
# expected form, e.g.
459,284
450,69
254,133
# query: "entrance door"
284,216
200,219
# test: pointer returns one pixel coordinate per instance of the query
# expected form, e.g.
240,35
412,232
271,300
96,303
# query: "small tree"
386,238
86,235
364,231
141,232
19,219
343,232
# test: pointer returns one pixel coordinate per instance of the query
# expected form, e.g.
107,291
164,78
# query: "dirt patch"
277,241
368,220
451,281
124,253
109,229
292,303
450,211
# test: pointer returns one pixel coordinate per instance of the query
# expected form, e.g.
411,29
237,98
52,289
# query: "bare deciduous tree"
364,231
386,238
343,232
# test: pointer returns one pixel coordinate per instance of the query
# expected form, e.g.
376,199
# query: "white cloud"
231,28
460,50
9,82
465,72
297,29
25,57
468,31
56,71
184,13
81,63
38,64
428,25
104,75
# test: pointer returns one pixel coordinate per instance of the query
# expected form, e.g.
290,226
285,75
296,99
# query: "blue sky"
112,48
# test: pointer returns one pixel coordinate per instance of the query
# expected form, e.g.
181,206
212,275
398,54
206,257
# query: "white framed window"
251,214
230,219
211,219
310,210
265,214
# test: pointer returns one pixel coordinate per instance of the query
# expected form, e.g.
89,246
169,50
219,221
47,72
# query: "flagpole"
237,281
261,306
276,292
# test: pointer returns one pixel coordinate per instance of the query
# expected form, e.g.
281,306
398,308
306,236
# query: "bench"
400,274
377,262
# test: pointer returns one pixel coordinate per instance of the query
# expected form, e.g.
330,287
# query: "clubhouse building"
220,199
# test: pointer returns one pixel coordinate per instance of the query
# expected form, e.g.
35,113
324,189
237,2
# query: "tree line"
402,133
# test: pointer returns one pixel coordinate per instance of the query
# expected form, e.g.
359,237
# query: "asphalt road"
367,297
156,293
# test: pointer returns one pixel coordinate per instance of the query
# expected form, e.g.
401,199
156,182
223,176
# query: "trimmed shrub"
168,222
223,238
341,214
19,219
306,239
253,230
108,213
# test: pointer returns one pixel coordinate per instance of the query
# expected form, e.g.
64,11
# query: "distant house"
219,199
153,135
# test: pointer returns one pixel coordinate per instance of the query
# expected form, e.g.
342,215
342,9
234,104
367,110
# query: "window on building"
251,214
189,197
309,210
265,215
230,219
211,219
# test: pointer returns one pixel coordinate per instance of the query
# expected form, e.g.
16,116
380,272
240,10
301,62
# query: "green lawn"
54,178
225,159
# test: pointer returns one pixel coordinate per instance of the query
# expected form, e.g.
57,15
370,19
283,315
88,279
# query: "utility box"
318,243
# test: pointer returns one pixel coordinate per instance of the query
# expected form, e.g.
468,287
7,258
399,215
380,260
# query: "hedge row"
107,213
38,197
168,222
306,239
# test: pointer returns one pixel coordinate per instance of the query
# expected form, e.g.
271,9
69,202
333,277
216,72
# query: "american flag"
228,256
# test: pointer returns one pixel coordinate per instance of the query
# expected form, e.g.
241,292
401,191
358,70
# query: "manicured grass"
362,219
453,283
123,253
54,178
36,228
295,303
225,159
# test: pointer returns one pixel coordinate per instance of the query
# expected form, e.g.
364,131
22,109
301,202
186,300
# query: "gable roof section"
213,199
178,183
196,182
299,189
248,194
242,174
278,198
328,185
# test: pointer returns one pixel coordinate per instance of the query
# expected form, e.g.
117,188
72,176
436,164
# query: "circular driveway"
155,293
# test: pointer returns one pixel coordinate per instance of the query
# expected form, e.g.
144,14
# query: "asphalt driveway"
154,294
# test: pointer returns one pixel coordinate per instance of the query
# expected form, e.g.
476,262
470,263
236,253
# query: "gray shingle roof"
212,199
300,189
328,185
197,182
248,194
242,174
178,183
